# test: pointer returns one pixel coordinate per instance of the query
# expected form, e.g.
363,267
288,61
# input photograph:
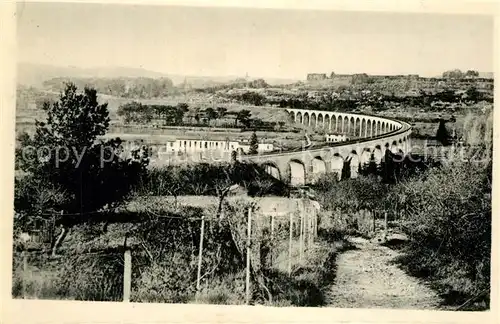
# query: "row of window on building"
336,138
197,145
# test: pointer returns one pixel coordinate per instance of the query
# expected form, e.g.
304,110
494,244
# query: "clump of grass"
226,290
310,278
79,277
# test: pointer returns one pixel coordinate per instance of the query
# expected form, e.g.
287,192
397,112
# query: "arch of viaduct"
371,137
355,125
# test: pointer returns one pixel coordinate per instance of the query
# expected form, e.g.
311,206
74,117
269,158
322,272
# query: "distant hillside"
35,74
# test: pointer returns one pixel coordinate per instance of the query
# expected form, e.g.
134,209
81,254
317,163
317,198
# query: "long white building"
197,145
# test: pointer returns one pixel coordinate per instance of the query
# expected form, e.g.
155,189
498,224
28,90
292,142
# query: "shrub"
449,223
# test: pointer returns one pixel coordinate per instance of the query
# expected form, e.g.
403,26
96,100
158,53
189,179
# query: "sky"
261,42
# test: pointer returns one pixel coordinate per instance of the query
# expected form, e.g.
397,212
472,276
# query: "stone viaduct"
369,138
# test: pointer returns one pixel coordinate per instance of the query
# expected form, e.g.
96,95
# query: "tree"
254,144
234,156
221,112
65,156
473,94
471,74
182,109
442,134
210,114
453,74
243,116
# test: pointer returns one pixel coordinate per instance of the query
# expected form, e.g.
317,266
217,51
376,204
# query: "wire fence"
169,258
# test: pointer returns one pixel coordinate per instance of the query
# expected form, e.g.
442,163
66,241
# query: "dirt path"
366,279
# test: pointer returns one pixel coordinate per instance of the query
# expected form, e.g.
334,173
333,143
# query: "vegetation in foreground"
445,211
84,261
165,245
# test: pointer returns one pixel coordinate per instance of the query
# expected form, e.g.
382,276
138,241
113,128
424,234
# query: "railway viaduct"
369,138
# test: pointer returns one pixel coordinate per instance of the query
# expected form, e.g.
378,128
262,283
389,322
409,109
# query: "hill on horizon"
32,74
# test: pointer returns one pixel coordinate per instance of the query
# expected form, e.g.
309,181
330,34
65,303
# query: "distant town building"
316,76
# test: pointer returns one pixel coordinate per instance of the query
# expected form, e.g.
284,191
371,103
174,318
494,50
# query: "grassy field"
25,119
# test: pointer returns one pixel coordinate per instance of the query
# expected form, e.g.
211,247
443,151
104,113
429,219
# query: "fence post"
316,221
25,272
313,225
247,281
290,246
301,235
127,275
200,254
310,228
272,239
385,225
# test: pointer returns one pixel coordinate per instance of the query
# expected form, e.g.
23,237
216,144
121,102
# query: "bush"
449,223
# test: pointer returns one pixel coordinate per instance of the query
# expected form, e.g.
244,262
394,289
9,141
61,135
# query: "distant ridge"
36,74
31,74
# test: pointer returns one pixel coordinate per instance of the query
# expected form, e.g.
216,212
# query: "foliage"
92,277
243,117
450,210
254,144
209,179
442,134
445,211
120,87
64,155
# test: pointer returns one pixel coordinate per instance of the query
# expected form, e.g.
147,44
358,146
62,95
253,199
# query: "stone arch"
272,169
328,121
379,130
394,147
306,119
384,128
364,128
321,121
352,124
337,164
345,125
318,167
357,126
297,173
292,116
365,158
314,120
354,163
400,146
339,124
378,155
298,117
369,125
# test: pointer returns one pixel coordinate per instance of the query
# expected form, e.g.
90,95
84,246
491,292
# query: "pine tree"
254,144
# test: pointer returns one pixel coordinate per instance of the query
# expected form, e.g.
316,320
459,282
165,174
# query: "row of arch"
362,126
299,173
